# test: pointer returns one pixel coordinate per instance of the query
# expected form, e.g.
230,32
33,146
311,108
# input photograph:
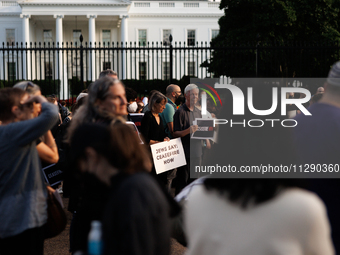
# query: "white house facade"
105,23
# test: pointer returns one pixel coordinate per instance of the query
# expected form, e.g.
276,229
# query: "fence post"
171,65
81,60
256,61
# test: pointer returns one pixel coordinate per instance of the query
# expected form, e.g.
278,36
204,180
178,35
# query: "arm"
171,128
25,132
191,129
145,126
208,144
48,150
168,115
177,130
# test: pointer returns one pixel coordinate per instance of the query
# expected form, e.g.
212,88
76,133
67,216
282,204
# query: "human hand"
166,139
208,144
36,99
193,128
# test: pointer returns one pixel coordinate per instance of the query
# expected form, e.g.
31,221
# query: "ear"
15,111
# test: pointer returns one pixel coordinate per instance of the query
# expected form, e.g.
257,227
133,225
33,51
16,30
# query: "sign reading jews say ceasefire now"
168,155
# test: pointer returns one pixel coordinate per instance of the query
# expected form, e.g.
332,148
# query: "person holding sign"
152,127
183,127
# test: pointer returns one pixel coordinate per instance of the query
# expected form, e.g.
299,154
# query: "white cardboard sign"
168,155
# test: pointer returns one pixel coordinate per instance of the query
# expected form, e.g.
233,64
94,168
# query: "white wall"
178,26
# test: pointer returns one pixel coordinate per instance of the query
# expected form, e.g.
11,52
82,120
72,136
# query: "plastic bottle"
95,242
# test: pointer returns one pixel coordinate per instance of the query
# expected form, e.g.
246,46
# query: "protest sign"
205,129
53,175
168,155
137,119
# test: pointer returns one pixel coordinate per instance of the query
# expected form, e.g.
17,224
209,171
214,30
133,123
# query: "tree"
278,32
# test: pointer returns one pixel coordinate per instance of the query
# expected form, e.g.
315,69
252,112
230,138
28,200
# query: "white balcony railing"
9,3
214,5
140,4
166,4
191,5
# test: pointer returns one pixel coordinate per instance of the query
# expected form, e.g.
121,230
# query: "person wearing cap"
317,140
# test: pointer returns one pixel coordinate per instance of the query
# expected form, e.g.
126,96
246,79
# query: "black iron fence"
66,69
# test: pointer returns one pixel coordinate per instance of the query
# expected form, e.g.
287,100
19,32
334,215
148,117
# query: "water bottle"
95,242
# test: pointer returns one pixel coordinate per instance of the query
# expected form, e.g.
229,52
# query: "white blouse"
293,223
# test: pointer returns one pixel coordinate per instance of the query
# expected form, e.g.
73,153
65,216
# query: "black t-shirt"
137,217
183,119
151,130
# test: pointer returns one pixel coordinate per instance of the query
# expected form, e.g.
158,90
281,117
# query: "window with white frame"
10,36
142,37
142,70
214,33
191,37
166,71
12,74
47,36
191,68
166,35
106,34
76,35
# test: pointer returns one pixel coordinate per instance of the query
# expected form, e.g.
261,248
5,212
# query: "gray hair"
107,72
88,112
156,98
190,87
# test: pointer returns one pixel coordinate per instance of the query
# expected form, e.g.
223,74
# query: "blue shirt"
167,116
23,194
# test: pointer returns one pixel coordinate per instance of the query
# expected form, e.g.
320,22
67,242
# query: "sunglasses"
28,85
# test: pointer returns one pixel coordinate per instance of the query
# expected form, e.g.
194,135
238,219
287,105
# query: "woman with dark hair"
153,130
251,215
137,217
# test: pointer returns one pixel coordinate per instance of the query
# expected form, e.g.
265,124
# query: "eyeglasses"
179,92
29,85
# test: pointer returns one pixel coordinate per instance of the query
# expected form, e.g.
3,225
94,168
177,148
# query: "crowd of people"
109,175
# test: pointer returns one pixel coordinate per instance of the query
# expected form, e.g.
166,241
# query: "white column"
26,41
59,57
124,39
92,40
